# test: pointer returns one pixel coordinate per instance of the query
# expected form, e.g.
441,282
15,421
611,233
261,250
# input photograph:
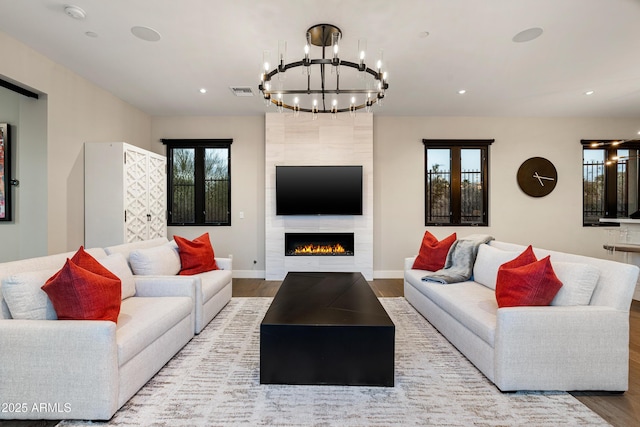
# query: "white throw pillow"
117,264
578,282
160,260
488,260
26,300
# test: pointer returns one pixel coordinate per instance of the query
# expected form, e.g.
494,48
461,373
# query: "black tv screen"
318,190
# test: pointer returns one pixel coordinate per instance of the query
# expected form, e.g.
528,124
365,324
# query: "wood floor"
621,410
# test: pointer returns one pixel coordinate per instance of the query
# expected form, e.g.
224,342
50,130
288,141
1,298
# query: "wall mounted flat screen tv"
318,190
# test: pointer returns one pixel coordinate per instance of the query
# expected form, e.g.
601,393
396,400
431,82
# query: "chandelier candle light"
323,97
614,160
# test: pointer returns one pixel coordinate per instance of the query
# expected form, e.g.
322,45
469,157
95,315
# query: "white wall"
244,239
31,194
76,111
27,231
553,222
10,113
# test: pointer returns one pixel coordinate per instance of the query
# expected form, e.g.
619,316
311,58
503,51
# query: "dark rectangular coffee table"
326,328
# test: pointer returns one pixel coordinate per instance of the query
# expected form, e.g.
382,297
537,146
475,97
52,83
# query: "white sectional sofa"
159,257
580,342
77,369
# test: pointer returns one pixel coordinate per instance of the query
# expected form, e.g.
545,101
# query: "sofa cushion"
160,260
117,264
197,255
48,263
531,284
78,293
24,297
488,260
578,282
471,304
213,282
126,248
433,253
143,320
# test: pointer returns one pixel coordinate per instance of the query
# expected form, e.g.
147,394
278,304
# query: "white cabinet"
125,197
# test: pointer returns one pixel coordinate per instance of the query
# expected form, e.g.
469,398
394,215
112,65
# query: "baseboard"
260,274
249,274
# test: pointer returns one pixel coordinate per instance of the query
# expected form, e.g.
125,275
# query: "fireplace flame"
319,249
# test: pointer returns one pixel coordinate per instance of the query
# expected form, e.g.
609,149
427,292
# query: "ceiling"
586,45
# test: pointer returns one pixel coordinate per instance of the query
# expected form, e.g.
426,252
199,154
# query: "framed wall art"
5,173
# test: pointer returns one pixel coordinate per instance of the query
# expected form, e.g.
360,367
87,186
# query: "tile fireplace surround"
301,141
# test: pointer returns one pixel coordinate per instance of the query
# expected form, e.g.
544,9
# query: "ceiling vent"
241,90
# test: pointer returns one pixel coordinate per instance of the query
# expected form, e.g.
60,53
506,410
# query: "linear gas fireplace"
318,244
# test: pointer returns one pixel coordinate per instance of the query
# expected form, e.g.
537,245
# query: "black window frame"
610,146
456,145
199,199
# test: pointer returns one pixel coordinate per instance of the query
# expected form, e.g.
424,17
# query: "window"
456,181
609,180
199,181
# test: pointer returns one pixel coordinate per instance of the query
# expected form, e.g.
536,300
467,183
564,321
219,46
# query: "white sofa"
74,369
159,257
565,346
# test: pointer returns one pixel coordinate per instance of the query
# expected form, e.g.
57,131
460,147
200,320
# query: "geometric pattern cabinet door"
125,194
136,196
157,203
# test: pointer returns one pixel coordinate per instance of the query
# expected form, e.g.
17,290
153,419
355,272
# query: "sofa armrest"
562,343
224,263
408,262
166,286
59,369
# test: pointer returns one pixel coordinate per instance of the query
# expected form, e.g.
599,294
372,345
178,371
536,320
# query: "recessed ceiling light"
527,35
146,34
462,91
589,92
203,90
75,12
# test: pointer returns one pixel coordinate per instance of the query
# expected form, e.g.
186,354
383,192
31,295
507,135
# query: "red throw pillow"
433,254
531,284
526,257
79,294
83,259
196,256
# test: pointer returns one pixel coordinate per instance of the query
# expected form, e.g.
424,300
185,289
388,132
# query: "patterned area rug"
215,381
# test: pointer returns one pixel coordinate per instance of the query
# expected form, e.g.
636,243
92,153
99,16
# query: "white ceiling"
586,45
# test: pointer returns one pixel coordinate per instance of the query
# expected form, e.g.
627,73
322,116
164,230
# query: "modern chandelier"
317,88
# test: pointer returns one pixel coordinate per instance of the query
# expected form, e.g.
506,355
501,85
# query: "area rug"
215,381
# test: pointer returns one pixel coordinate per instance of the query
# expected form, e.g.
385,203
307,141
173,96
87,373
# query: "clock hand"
535,175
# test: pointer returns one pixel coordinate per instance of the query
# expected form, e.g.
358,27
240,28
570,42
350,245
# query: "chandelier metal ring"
324,35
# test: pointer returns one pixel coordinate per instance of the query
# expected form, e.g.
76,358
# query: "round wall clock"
537,177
